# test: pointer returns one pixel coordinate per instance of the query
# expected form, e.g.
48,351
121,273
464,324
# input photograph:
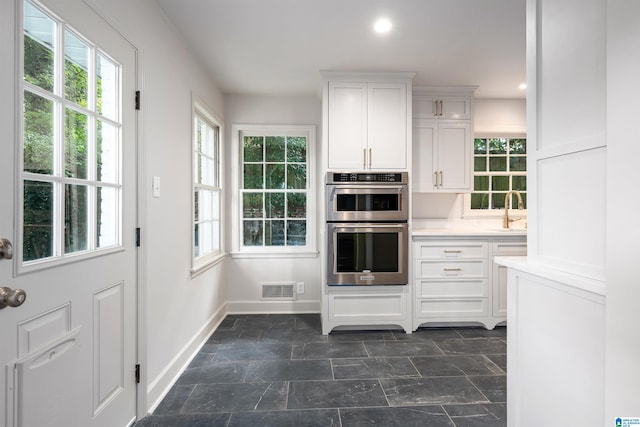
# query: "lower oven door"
367,254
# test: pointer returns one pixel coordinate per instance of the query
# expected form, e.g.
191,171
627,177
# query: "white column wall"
623,232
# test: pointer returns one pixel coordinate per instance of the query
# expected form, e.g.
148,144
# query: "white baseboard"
272,307
158,388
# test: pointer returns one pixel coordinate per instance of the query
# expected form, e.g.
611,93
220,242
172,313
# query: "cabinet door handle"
440,102
364,158
435,179
439,179
370,156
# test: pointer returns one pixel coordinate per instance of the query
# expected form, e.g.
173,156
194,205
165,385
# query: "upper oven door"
354,202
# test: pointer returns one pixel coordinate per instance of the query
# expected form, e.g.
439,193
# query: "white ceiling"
278,47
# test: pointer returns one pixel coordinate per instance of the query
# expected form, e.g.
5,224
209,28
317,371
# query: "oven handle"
399,187
365,225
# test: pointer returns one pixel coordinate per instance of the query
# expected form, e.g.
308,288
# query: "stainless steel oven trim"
333,214
368,278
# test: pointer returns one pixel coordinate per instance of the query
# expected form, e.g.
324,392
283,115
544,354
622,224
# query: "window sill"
301,254
207,264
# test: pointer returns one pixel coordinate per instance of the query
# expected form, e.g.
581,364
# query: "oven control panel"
363,177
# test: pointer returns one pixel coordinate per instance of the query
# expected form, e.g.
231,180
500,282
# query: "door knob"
11,297
6,249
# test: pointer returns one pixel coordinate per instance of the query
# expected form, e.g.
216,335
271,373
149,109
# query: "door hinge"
137,100
138,373
138,236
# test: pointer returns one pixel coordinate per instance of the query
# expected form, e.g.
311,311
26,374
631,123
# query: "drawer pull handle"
452,252
452,269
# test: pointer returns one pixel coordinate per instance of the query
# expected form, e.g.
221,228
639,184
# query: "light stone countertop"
472,232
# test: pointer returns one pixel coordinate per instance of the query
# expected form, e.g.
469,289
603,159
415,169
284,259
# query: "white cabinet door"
435,106
455,156
442,156
425,138
387,126
347,133
500,274
367,126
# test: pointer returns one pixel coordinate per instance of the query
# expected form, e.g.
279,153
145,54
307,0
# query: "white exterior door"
68,204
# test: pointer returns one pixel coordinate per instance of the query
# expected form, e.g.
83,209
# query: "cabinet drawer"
451,269
452,308
451,250
373,306
509,248
451,288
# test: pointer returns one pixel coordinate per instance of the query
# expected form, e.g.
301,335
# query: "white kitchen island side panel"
555,336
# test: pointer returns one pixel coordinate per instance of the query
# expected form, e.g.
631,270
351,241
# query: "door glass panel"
107,152
367,202
75,218
76,140
376,252
107,209
107,88
71,153
76,69
39,36
38,220
38,134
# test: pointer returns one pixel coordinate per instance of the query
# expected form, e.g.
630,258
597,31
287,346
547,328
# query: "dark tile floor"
278,370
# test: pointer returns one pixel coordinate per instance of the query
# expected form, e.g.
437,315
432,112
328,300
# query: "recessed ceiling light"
522,86
382,25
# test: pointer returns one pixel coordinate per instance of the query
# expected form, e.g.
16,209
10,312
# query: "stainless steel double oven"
367,233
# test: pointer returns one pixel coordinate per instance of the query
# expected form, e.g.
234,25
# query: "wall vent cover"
281,291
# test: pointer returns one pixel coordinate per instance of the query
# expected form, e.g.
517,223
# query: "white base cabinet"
367,307
457,282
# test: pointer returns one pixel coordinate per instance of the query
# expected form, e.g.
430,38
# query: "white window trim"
467,212
310,250
203,263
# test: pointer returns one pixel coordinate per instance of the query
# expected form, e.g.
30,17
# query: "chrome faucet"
505,223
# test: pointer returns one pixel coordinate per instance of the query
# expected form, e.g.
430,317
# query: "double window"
207,189
500,166
275,184
71,142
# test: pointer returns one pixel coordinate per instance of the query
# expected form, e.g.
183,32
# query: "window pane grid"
274,190
206,189
66,143
499,167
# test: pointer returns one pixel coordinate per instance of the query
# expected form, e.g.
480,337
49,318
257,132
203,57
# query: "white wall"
491,116
179,310
243,275
623,234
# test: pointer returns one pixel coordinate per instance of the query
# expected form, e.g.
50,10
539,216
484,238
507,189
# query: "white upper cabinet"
442,139
438,106
442,156
367,122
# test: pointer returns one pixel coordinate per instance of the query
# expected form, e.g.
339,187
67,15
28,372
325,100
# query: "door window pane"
107,210
38,139
38,220
106,152
75,218
39,39
107,88
76,69
76,144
